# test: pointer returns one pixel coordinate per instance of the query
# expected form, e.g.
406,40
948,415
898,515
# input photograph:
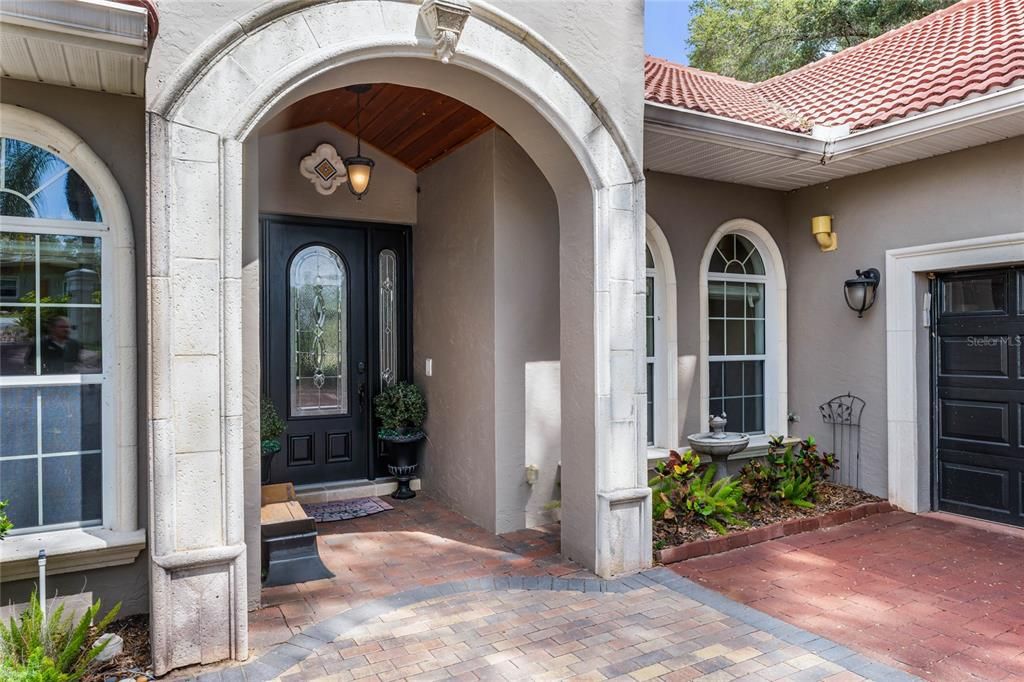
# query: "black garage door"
979,392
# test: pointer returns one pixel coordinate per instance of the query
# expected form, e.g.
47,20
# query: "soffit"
415,126
96,45
683,150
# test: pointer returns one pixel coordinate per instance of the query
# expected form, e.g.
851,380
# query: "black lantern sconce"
860,291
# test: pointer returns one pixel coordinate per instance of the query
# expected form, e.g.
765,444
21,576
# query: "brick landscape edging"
754,536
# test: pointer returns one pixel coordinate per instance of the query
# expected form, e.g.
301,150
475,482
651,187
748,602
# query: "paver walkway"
420,542
421,593
942,599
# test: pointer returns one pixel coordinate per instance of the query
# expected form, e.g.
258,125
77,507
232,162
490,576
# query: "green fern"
26,643
716,503
797,491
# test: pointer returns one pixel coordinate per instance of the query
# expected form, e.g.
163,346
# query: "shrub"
399,408
716,503
271,424
681,492
762,480
50,651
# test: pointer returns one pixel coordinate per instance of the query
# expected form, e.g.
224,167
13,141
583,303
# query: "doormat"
343,510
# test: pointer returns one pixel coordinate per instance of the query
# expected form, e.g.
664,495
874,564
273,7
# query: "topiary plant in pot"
271,428
400,410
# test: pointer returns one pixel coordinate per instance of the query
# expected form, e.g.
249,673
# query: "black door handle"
362,395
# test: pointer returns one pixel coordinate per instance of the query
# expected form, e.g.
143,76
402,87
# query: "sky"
666,28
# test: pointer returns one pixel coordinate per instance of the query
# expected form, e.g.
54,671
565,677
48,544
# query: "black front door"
315,348
979,394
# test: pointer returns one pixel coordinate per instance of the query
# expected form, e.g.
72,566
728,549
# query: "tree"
753,40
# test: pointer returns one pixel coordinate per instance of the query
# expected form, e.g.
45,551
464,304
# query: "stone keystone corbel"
445,20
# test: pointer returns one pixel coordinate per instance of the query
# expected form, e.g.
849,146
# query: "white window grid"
39,226
740,357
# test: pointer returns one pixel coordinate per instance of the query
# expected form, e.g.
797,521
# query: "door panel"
315,348
979,394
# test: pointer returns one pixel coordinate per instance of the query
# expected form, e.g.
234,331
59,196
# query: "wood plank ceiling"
415,126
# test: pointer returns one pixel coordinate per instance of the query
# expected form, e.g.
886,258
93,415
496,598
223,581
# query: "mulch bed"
134,662
834,504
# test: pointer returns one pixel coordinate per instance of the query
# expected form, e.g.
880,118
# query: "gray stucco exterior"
972,193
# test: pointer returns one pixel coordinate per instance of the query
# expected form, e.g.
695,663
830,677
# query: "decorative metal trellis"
843,412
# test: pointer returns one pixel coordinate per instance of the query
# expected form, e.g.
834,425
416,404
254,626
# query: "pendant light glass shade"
359,169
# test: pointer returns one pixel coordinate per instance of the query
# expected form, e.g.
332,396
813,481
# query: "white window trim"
776,396
901,325
666,341
118,540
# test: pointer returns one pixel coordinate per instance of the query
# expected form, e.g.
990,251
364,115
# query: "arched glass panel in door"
318,335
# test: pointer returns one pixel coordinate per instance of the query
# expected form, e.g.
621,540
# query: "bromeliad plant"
684,490
54,649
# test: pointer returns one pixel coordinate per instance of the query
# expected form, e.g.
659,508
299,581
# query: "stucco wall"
584,32
486,313
688,210
453,325
392,195
114,127
972,193
526,337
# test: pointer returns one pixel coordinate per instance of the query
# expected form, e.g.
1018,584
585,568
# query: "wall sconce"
821,228
861,290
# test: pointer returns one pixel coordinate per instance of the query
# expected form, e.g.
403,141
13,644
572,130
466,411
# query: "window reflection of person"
60,352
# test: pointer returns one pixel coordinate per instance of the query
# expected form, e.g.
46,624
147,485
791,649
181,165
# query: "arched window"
651,320
661,341
67,343
743,330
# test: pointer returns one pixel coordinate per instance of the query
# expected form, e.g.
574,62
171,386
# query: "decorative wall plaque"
324,168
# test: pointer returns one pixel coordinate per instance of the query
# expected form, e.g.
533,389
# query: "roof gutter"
99,24
827,144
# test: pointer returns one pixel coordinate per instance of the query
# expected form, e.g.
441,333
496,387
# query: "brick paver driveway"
940,598
421,593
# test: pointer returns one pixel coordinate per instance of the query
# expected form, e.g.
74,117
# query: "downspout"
828,135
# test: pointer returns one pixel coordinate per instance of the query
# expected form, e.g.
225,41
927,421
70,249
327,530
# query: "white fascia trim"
739,134
67,551
98,21
697,125
944,119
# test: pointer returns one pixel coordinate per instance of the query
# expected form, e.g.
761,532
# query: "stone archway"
198,125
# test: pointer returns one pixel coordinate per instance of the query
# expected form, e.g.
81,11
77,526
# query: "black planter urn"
404,451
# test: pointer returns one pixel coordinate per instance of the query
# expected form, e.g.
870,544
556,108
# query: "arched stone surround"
197,127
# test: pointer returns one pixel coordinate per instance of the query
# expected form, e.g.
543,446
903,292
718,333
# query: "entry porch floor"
938,596
421,593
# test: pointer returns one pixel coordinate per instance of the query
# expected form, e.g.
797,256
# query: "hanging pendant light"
358,167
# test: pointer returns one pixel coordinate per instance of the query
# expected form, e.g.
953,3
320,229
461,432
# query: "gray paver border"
299,647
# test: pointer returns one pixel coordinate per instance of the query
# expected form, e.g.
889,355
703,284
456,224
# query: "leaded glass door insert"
318,287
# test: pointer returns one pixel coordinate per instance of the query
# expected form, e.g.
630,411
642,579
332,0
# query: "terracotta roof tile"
968,49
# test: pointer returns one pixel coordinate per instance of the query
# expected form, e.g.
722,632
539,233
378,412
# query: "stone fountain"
718,444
